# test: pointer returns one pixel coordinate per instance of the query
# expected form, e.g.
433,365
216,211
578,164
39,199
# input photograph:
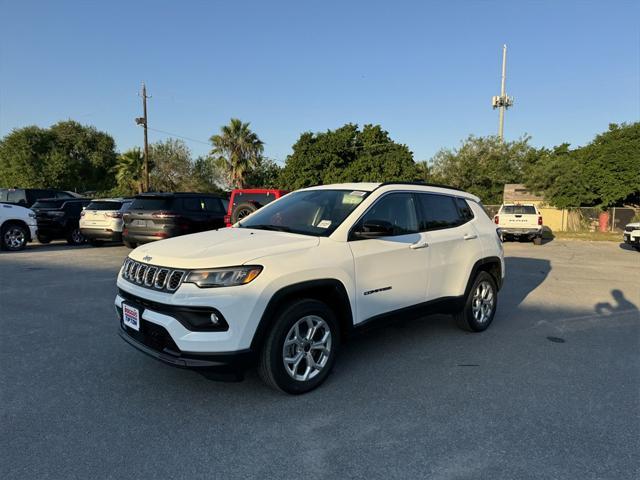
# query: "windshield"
519,210
311,212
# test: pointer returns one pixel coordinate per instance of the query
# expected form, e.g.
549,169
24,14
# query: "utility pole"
503,101
144,121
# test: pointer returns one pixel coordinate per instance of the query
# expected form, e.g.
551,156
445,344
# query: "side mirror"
374,229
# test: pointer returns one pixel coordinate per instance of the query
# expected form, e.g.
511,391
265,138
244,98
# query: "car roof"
175,194
65,200
390,186
118,199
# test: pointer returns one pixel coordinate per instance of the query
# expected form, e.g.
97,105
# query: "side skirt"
445,305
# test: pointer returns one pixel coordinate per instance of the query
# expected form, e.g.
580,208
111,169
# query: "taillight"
113,214
163,214
496,220
540,220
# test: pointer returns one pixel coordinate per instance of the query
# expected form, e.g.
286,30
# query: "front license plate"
131,317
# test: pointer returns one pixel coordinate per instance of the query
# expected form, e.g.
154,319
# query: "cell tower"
502,101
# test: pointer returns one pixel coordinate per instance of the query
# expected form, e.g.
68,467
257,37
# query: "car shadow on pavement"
626,246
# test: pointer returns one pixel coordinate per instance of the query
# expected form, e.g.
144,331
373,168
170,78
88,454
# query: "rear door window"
192,204
438,212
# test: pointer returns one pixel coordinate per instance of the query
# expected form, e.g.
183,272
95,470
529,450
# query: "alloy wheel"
483,302
14,238
307,348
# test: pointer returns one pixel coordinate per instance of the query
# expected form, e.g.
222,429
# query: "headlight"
223,277
32,215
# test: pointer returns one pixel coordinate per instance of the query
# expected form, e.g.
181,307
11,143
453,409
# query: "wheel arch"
328,290
491,265
17,221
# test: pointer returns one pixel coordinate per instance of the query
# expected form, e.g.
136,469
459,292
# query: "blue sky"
425,71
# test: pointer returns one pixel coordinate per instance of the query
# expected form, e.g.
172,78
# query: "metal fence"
583,219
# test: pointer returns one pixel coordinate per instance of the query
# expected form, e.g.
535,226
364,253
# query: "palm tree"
129,170
237,150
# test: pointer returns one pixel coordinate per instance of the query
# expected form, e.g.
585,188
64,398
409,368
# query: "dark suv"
25,197
154,216
59,218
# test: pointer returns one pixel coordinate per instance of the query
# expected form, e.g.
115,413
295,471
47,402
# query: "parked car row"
145,218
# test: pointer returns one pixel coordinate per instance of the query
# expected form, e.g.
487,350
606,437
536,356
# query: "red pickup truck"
245,201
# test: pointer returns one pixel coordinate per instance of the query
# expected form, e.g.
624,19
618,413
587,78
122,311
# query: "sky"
424,70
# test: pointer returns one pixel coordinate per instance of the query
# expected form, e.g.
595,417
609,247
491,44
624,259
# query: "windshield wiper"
275,228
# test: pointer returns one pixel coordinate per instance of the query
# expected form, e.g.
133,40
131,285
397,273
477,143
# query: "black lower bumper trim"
229,361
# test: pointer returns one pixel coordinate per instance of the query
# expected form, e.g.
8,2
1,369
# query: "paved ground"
551,390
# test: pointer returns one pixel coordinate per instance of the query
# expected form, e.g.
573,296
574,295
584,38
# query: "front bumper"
632,238
223,362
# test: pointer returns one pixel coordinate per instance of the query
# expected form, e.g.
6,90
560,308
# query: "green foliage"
265,175
236,150
604,173
482,166
347,154
68,156
173,170
129,172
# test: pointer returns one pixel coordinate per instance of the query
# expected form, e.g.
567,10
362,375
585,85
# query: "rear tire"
300,349
480,305
75,237
129,244
13,237
243,210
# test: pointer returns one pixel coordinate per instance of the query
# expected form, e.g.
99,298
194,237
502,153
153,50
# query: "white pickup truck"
517,220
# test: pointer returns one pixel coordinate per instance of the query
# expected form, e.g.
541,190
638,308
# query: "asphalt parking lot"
551,390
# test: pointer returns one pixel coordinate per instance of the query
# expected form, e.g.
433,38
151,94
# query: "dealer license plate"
131,316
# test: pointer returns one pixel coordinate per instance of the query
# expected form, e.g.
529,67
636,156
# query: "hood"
220,248
14,211
634,224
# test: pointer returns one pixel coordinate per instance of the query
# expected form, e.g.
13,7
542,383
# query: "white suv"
284,285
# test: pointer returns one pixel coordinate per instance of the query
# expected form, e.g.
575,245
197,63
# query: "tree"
604,173
482,165
173,168
68,155
237,150
347,154
265,175
129,171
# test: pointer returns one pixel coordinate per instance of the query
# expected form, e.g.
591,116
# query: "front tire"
13,237
130,245
300,349
480,304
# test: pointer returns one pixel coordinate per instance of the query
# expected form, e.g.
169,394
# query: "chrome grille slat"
152,276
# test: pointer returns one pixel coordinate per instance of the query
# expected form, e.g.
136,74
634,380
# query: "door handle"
415,246
469,236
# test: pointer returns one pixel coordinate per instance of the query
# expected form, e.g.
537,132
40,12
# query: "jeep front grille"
151,276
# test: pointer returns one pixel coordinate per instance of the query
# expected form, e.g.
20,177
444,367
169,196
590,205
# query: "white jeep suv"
286,284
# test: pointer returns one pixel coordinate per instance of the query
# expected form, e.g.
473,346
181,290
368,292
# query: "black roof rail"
420,184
